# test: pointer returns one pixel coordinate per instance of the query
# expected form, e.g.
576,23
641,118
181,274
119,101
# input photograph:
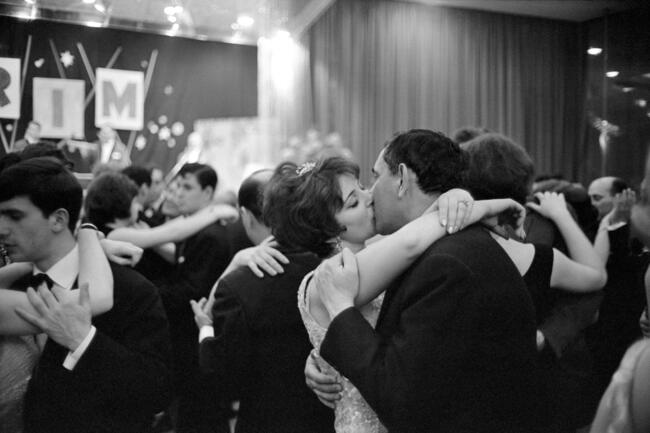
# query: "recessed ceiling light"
627,89
88,2
30,2
170,10
245,21
611,74
640,103
171,18
99,5
594,51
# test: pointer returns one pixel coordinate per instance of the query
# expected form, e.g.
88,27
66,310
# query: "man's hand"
66,321
326,386
454,207
122,253
337,282
644,324
201,316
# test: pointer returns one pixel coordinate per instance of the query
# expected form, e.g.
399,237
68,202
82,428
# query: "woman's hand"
122,253
551,205
262,258
454,208
500,212
623,202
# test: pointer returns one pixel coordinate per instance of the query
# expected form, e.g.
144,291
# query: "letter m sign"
120,99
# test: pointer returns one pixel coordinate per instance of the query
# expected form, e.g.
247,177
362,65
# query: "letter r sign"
120,99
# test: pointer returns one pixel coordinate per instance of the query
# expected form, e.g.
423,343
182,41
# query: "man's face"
24,231
191,197
157,186
384,196
601,197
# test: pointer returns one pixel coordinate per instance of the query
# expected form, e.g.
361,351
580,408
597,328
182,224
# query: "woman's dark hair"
498,168
300,203
109,198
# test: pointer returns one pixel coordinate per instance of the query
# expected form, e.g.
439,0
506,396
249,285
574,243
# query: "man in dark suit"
256,349
110,374
199,261
454,347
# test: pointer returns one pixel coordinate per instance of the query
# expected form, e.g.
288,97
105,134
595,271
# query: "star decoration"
67,59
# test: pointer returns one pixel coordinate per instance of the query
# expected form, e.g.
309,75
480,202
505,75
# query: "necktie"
37,279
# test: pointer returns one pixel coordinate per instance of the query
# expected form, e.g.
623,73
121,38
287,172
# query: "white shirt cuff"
73,357
205,332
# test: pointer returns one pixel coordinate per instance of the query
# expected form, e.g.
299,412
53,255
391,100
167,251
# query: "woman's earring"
337,245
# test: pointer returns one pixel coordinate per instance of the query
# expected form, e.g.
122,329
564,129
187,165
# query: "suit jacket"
259,349
454,347
121,380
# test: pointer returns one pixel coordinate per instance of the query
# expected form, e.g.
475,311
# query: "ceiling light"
170,10
640,103
245,21
93,24
171,18
627,89
179,9
88,2
594,51
611,74
99,5
30,2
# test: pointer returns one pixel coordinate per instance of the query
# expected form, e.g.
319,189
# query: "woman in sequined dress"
326,209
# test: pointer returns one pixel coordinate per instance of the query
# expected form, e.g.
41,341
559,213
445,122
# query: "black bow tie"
37,279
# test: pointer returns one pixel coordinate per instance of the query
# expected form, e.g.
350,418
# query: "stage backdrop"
184,79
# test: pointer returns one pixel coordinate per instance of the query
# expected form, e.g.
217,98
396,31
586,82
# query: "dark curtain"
382,66
191,80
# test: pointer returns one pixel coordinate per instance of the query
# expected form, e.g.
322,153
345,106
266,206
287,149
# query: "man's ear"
404,175
59,220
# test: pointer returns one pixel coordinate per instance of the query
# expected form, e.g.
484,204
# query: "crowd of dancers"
457,293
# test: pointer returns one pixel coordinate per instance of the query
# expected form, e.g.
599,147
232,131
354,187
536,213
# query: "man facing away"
454,346
257,346
110,375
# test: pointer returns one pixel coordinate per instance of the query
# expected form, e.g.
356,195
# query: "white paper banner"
9,88
59,107
119,102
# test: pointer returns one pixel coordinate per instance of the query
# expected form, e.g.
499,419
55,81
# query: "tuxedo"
123,377
454,346
258,351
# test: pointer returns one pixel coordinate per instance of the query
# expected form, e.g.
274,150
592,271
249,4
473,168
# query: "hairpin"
305,168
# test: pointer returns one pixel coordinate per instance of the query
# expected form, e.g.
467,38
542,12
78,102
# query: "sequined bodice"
352,414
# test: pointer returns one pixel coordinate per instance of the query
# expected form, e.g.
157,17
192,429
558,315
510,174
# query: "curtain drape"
377,67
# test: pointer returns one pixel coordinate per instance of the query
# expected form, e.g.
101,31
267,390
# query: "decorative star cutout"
67,59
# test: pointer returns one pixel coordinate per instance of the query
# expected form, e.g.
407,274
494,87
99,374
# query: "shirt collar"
64,272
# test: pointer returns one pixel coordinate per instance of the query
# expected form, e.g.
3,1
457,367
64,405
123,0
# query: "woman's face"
356,215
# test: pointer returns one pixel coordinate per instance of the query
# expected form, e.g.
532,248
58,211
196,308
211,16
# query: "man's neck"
419,202
59,248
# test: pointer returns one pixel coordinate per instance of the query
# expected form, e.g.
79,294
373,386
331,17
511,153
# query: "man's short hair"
47,183
109,198
498,168
435,159
618,186
467,133
43,148
251,192
138,174
205,175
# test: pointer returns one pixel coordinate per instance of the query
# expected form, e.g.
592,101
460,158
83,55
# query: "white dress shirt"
64,273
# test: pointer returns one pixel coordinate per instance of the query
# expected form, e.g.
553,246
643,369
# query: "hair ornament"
305,168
